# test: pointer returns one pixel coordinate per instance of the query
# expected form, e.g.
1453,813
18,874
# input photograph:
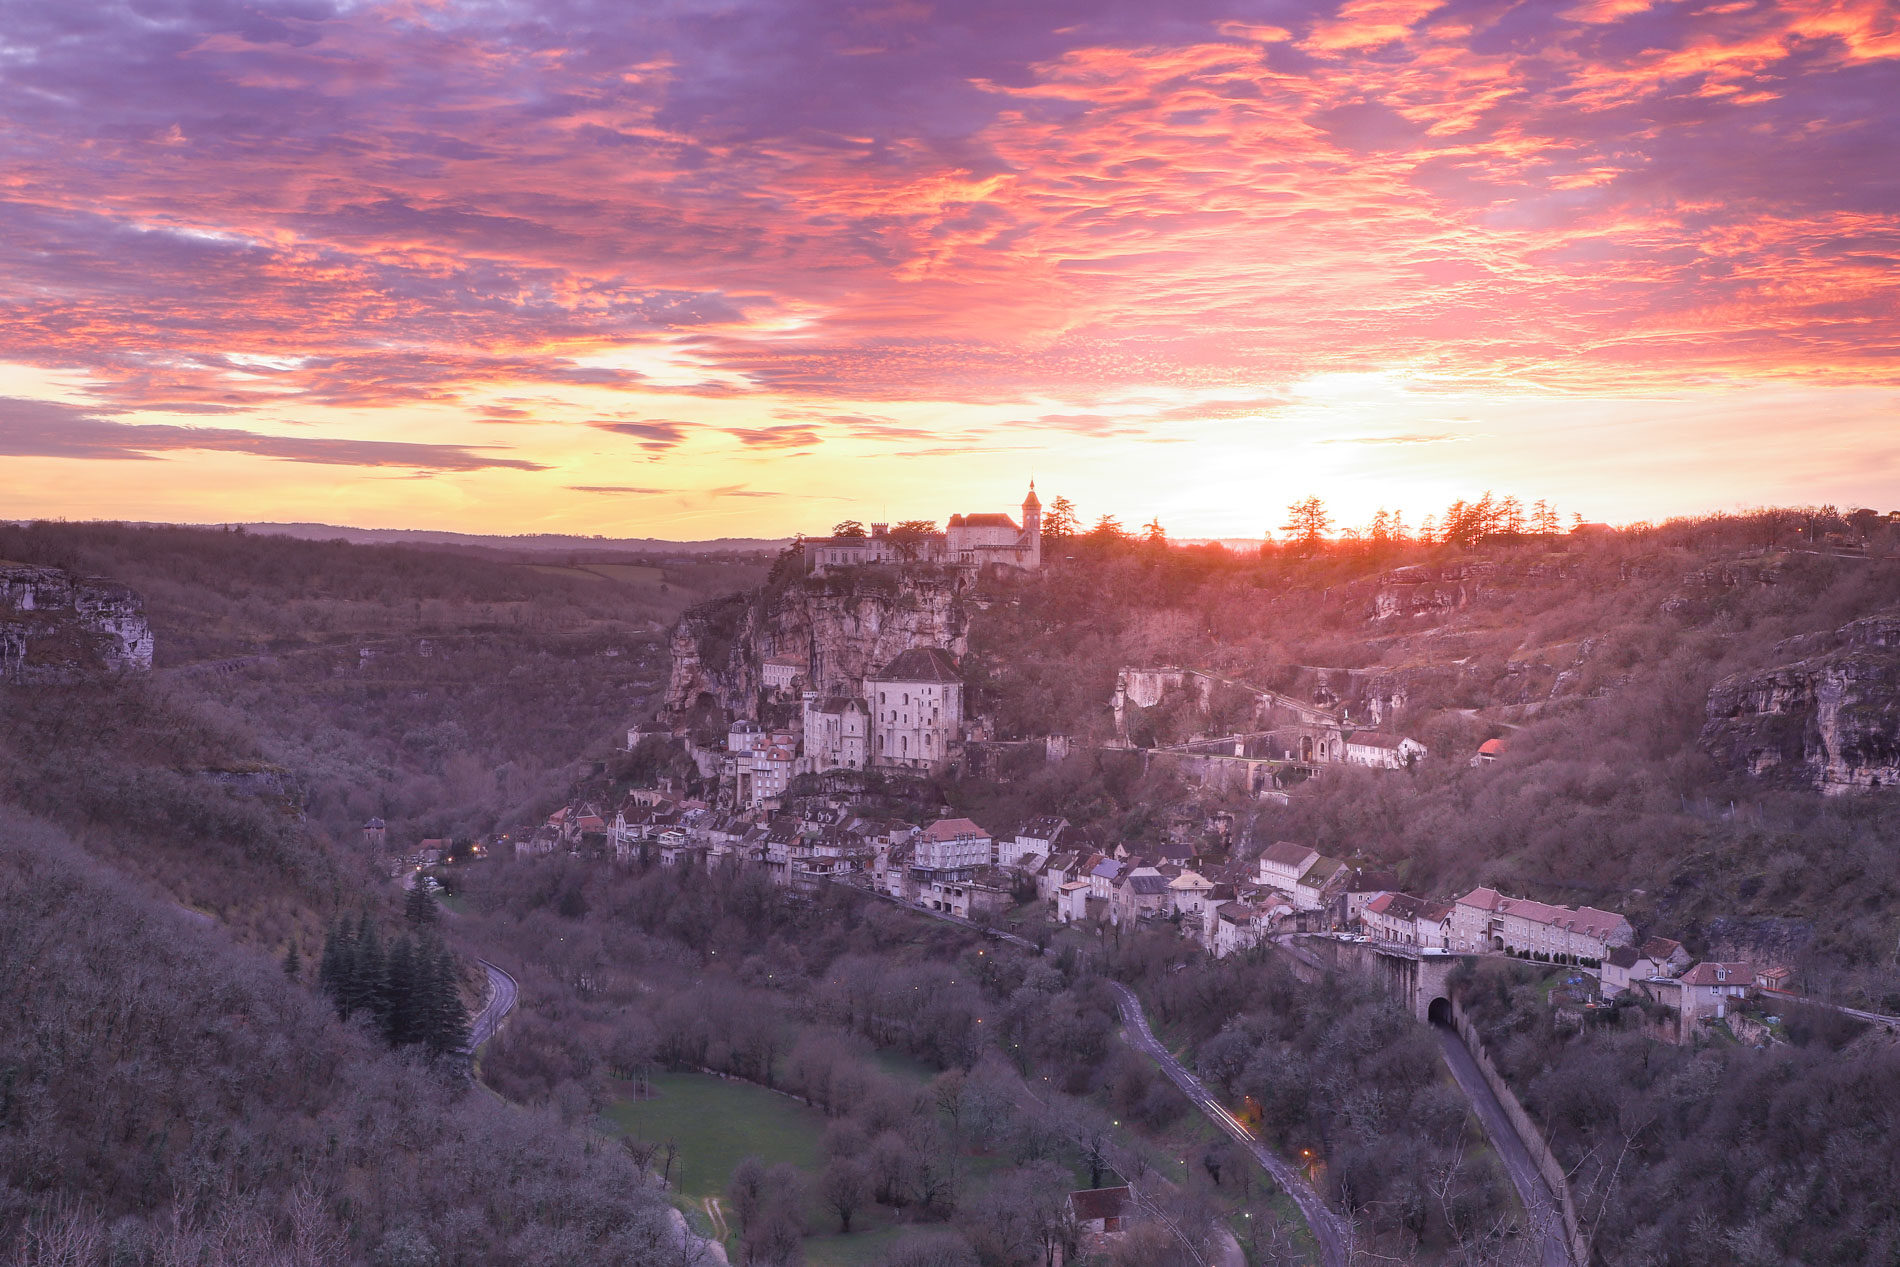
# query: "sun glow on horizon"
1193,267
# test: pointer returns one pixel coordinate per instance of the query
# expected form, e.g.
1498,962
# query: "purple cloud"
44,428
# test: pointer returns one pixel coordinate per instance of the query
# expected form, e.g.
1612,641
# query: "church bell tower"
1032,528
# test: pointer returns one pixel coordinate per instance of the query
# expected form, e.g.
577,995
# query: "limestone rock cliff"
55,626
844,627
1829,716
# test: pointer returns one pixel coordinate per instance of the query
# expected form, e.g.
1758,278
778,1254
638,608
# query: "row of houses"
1485,921
957,866
1659,970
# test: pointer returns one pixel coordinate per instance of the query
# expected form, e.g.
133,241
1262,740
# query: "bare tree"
846,1187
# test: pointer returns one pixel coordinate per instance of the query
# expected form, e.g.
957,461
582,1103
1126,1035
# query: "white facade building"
837,734
916,704
953,844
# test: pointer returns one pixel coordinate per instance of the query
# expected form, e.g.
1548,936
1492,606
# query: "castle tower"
1032,528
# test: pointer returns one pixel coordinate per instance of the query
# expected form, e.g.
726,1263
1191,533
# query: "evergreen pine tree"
405,993
293,962
338,970
327,966
364,991
446,1024
420,906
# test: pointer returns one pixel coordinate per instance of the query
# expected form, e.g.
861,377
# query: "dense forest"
226,1042
1786,1154
447,691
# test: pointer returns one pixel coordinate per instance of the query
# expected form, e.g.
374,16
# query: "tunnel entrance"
1439,1013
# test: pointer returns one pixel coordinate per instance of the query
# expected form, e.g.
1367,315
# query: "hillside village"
834,790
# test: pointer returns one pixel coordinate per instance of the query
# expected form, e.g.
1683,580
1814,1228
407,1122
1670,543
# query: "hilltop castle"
967,541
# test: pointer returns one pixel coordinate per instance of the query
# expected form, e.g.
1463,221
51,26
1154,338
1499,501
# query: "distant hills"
532,541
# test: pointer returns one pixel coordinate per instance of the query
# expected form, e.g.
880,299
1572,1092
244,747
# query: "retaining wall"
1527,1130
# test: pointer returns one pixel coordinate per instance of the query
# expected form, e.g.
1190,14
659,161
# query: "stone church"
971,541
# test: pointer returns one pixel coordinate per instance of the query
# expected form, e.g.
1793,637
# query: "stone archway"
1306,748
1439,1012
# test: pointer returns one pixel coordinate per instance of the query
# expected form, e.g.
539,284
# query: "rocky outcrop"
57,627
1829,718
844,627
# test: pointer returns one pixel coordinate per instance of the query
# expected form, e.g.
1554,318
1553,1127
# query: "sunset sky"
749,267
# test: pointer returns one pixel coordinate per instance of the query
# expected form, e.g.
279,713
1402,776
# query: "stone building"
953,844
1486,920
916,704
837,734
972,541
980,539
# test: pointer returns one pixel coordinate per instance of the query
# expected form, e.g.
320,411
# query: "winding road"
1329,1230
503,990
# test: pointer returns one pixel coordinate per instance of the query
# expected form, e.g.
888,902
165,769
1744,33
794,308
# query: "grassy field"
898,1065
716,1123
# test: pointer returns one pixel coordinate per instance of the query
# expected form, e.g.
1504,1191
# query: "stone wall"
1527,1131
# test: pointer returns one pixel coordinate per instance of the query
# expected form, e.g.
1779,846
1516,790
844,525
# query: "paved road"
503,990
1329,1230
1539,1203
1877,1018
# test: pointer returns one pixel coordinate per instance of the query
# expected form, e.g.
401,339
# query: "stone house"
1775,978
1072,902
1707,991
1056,870
1323,881
1100,1211
1382,751
953,844
1284,862
1238,926
1142,892
1712,989
1189,892
1486,920
1624,966
1408,921
1037,836
916,704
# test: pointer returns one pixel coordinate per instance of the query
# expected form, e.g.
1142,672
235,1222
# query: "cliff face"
1828,717
844,627
55,626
